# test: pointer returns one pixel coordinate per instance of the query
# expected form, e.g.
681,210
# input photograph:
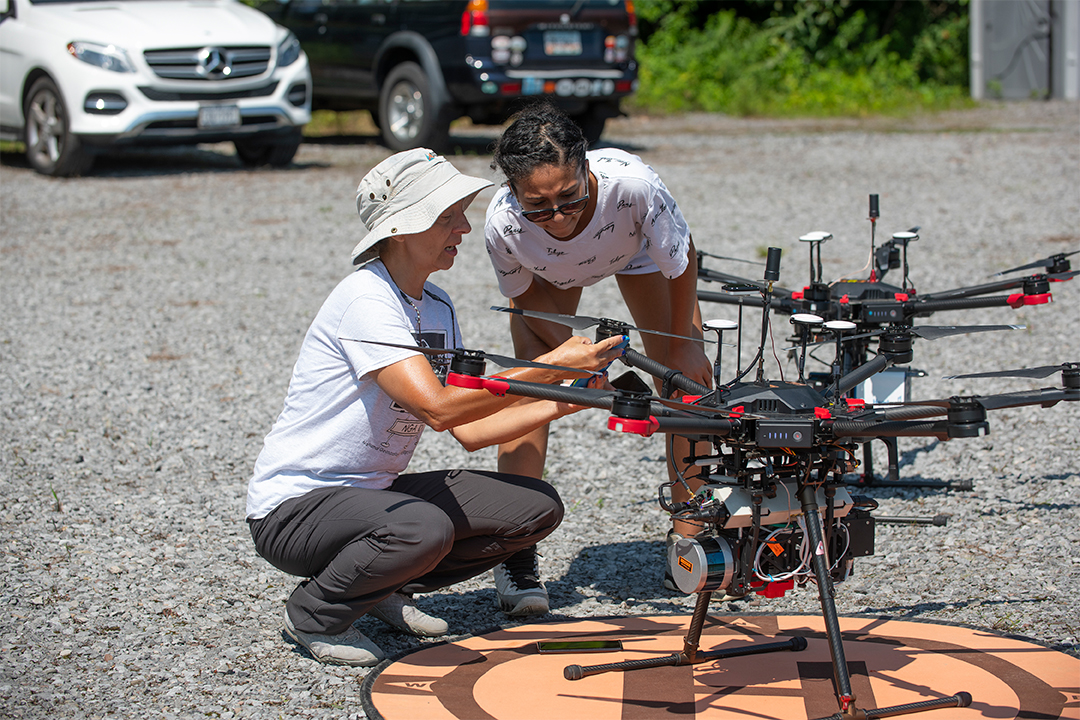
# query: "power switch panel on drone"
785,433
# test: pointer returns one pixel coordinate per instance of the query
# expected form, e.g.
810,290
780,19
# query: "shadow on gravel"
144,162
617,571
903,611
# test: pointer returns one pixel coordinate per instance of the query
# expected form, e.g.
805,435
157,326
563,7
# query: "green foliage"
817,57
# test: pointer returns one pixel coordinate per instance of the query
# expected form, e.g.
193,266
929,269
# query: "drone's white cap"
816,236
840,325
720,325
807,319
405,194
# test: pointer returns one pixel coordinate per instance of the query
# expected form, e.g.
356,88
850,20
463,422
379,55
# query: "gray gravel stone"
152,313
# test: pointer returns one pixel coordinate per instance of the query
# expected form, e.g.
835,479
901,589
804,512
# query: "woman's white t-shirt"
338,427
637,228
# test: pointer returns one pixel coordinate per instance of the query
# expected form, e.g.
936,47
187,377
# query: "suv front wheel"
278,154
51,149
409,117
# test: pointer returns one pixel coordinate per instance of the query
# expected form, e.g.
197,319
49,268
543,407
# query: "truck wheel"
279,153
51,149
408,116
592,123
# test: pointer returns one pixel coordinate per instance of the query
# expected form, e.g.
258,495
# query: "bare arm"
413,385
671,306
514,421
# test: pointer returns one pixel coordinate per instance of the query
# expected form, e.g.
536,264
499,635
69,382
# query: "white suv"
79,76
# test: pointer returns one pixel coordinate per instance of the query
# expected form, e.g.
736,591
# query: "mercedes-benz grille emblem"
212,63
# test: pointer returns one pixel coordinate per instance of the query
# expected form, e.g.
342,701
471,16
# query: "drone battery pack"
785,433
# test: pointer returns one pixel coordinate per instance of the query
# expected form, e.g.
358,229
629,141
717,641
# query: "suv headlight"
107,57
288,50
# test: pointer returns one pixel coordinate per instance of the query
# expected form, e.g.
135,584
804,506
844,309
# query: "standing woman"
566,219
330,499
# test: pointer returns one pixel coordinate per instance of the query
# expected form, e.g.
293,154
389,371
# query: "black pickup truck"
417,65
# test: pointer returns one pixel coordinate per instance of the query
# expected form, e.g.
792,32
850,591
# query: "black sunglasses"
570,208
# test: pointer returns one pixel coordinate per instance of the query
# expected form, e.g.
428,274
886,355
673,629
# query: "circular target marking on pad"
501,675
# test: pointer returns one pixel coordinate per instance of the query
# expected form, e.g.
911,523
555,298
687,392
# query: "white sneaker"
351,647
399,610
518,587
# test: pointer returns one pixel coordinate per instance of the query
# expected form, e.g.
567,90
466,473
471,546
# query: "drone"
879,311
769,460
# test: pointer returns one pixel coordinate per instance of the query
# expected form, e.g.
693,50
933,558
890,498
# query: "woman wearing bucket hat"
330,499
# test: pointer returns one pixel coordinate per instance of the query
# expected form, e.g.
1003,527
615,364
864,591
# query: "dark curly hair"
540,134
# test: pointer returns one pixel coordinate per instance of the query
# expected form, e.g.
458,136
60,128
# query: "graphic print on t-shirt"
409,427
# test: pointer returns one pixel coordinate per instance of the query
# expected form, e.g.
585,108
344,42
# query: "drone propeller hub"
1037,285
967,418
630,407
896,343
468,365
1070,377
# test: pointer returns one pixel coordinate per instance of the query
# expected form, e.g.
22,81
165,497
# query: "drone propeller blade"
508,362
926,332
723,257
500,360
933,332
425,350
1045,262
1061,277
1036,372
577,322
583,322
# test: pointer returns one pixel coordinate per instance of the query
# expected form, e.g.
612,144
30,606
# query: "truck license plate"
562,42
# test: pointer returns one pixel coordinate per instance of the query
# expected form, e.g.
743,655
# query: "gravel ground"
152,313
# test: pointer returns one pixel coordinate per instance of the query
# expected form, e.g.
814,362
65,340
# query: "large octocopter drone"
769,460
877,310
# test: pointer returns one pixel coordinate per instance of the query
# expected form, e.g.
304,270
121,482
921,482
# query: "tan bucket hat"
406,193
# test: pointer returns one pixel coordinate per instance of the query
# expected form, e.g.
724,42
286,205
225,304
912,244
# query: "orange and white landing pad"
502,676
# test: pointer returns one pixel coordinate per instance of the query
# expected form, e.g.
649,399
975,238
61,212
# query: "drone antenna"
904,239
815,239
837,327
772,274
804,321
875,213
719,326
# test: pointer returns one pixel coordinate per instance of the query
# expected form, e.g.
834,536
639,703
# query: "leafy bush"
817,57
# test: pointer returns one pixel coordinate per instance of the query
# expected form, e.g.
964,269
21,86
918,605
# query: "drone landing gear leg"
867,479
690,654
841,676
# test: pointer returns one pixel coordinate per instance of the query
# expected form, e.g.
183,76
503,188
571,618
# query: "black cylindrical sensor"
874,212
772,264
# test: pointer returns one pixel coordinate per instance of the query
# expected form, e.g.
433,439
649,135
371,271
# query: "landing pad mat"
500,675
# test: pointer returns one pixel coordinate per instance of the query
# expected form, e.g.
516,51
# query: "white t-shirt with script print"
637,228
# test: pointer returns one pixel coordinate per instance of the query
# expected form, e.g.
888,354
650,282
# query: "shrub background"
816,57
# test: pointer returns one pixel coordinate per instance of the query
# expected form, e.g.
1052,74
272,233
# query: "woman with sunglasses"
567,218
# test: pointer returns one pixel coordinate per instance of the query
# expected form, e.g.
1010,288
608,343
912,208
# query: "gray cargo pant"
428,530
